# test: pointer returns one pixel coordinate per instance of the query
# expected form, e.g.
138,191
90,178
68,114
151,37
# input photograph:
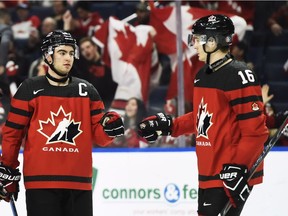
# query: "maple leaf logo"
203,120
131,49
60,128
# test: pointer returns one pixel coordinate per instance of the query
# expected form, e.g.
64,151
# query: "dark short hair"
142,6
85,5
84,39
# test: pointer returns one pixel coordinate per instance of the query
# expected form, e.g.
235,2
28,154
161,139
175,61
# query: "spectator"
2,116
86,21
142,14
278,21
60,7
273,118
27,41
25,25
239,51
6,45
38,66
49,24
135,111
93,69
269,111
10,4
2,5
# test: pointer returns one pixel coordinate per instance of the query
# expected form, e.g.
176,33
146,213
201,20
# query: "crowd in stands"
23,24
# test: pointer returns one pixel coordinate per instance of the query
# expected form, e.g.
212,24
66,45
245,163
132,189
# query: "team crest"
203,120
255,106
60,127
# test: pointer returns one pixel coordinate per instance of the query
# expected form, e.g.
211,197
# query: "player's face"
131,108
88,51
63,58
198,45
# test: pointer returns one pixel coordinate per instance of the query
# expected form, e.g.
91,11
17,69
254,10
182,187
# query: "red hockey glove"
235,183
152,126
9,182
112,124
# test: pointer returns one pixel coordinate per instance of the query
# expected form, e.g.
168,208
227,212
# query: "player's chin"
66,70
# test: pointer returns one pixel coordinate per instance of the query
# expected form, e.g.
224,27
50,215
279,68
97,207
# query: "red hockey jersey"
60,124
228,121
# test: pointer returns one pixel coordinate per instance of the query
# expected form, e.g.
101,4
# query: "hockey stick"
282,129
13,207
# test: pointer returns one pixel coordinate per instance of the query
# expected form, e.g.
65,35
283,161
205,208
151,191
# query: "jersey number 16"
247,76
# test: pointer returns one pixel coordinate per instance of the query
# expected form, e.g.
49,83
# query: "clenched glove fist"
112,124
153,126
9,182
235,183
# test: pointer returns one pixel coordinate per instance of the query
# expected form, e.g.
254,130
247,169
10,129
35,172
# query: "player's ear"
48,58
211,41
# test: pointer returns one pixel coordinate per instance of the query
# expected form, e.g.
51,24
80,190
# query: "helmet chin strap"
209,53
216,64
49,76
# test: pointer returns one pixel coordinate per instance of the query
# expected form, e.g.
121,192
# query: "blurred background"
129,53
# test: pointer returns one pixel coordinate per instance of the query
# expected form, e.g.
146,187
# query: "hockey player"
59,116
227,119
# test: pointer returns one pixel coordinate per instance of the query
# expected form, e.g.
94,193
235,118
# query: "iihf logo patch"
203,120
255,106
60,127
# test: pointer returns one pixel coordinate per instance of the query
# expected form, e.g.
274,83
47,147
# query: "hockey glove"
9,182
235,183
112,124
152,126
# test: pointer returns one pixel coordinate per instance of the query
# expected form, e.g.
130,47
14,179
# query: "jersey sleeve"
16,124
183,125
246,101
97,111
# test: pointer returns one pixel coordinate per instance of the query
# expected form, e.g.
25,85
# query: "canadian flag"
164,21
128,51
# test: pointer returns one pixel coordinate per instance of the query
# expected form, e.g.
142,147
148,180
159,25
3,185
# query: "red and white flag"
130,51
164,22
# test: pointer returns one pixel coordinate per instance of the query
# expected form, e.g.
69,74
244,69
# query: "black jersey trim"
20,111
248,115
57,178
217,177
14,125
96,112
208,178
244,100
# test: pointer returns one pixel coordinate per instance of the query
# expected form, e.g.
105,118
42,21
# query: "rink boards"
133,182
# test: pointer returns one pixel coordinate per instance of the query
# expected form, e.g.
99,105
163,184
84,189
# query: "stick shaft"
13,206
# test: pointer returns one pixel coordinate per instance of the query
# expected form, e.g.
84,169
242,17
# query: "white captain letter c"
82,92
